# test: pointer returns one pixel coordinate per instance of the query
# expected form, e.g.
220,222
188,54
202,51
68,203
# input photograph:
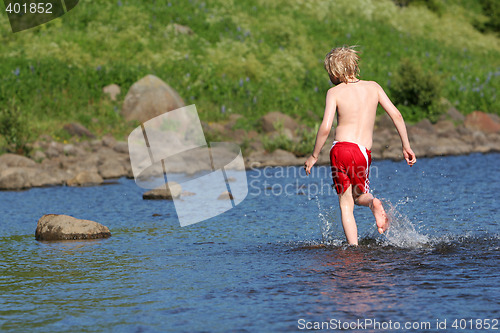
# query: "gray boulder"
121,147
112,168
14,179
85,178
270,121
19,178
150,97
14,160
76,129
52,227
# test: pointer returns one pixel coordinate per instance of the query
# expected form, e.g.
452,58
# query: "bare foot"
380,216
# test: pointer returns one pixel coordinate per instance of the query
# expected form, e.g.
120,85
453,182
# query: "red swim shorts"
350,166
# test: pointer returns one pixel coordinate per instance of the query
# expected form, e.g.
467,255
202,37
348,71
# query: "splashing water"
328,225
402,232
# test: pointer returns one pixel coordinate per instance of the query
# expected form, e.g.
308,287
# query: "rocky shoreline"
96,161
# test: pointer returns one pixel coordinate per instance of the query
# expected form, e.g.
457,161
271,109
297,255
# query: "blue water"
277,262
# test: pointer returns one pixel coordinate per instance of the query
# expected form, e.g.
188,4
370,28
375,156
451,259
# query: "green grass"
245,57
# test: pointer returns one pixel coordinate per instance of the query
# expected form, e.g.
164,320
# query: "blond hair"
342,63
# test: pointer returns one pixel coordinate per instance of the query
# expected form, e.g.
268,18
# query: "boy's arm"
323,131
398,121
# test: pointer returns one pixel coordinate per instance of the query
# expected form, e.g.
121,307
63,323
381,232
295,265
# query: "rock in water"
225,196
169,191
52,227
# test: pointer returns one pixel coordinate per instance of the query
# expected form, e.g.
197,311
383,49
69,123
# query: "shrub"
491,9
433,5
301,145
305,144
416,92
278,140
15,130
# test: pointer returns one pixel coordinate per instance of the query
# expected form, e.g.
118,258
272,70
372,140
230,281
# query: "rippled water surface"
275,263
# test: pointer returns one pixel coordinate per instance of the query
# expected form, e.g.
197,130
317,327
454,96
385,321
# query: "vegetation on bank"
245,57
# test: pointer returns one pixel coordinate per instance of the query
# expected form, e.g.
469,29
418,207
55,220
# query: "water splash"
328,225
402,232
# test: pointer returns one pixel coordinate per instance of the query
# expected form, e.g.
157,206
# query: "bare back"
356,111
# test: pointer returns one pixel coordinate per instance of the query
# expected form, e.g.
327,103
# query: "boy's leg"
367,199
346,203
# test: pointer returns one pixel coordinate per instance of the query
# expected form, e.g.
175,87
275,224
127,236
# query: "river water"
277,262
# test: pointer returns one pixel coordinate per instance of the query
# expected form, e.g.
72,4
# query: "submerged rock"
52,227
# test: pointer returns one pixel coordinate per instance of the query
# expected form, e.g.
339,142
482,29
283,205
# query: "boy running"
356,102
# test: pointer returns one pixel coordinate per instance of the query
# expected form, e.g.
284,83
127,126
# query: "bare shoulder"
332,92
373,85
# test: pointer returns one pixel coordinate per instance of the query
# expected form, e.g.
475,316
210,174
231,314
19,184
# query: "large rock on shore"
483,122
278,157
14,160
272,119
85,178
150,97
14,179
53,227
19,178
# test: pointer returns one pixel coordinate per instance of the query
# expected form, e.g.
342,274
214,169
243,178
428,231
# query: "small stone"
112,91
76,129
108,141
169,191
225,196
39,156
180,29
121,147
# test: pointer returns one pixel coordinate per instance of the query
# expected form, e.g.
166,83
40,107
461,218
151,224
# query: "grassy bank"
245,57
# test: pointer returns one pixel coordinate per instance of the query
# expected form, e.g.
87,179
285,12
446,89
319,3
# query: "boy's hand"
409,156
309,164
